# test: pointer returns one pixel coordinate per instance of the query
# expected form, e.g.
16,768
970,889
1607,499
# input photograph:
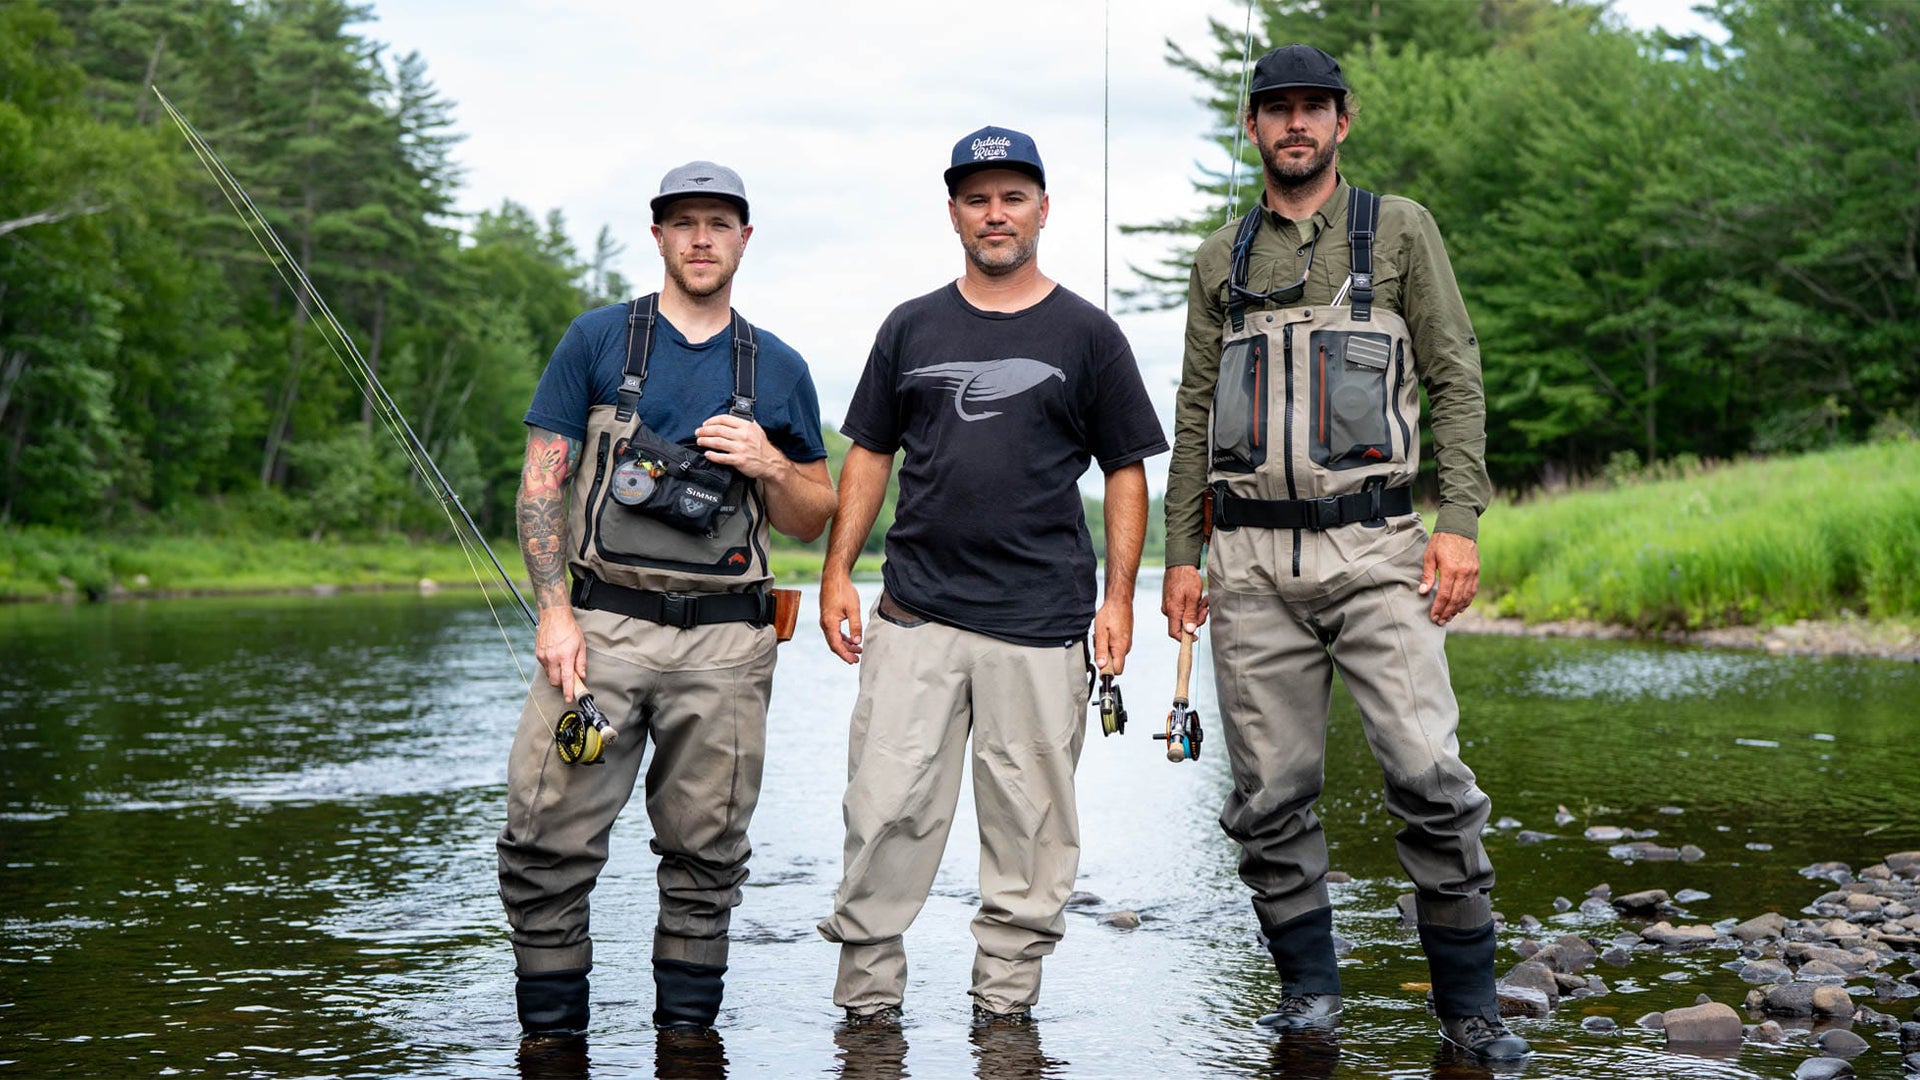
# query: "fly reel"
1113,711
583,733
1183,724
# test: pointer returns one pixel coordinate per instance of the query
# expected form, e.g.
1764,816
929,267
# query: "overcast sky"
840,118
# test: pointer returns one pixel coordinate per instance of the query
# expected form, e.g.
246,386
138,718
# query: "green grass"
1753,543
37,563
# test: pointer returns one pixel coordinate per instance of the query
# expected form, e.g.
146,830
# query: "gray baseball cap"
704,180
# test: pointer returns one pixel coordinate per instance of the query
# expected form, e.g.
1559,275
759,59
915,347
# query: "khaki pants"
1275,651
924,687
700,696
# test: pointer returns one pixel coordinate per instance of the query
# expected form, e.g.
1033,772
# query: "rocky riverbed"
1839,978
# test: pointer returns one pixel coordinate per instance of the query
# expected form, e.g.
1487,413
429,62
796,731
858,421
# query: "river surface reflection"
255,838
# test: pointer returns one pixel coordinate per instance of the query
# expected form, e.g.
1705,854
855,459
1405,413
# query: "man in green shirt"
1312,324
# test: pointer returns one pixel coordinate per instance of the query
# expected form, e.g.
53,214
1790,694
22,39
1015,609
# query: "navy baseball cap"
700,180
1295,65
995,148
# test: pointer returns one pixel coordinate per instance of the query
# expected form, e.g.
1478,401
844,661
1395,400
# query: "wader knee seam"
709,951
1287,909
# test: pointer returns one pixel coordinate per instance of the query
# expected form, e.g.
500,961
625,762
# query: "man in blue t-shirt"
650,415
1001,388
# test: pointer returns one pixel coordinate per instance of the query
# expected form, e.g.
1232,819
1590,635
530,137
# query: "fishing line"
1106,156
359,371
1240,124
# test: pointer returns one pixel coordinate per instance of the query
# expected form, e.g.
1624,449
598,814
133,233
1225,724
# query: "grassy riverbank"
38,563
1753,543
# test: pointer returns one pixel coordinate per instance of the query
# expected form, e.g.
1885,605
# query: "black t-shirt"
999,415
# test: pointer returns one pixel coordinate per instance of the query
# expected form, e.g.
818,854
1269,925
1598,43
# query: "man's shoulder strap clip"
746,364
1363,222
1242,257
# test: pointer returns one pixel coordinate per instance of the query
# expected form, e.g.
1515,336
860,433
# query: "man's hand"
741,443
561,650
1113,634
1455,561
840,616
1183,600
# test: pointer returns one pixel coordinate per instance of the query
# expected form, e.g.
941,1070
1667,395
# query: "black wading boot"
1461,962
552,1004
1302,949
686,995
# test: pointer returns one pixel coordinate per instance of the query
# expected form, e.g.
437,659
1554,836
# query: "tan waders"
925,688
1315,564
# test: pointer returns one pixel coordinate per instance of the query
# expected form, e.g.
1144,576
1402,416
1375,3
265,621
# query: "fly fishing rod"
583,732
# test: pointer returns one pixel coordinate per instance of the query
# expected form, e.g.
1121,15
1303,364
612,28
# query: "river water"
255,838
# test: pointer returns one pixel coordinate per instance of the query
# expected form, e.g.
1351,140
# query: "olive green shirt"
1411,276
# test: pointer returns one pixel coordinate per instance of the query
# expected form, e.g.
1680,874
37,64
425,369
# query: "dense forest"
1673,248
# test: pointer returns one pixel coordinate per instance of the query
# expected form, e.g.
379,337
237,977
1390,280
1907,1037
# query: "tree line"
1671,247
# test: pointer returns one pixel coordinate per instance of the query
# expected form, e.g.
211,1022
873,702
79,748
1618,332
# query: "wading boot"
1301,1011
882,1018
552,1005
686,996
984,1017
1487,1040
1302,950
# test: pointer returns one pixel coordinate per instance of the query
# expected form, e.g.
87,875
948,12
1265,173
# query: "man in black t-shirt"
1001,388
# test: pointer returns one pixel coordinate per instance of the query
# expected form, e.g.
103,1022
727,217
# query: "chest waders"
710,566
1316,408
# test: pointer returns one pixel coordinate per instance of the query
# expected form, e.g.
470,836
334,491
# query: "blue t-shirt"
686,383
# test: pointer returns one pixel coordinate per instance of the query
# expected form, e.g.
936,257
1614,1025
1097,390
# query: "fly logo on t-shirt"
988,380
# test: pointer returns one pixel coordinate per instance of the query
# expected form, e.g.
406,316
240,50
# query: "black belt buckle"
679,610
1324,513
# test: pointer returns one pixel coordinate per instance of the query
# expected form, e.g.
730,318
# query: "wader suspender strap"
746,361
1242,255
1363,220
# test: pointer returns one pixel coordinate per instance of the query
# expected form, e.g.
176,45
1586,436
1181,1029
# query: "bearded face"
1298,132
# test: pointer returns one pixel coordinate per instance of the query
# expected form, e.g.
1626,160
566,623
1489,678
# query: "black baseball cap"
1295,65
995,148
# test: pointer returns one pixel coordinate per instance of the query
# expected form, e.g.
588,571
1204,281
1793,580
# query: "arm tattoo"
542,513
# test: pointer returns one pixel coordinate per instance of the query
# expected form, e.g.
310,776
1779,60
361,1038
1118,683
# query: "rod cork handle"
1186,668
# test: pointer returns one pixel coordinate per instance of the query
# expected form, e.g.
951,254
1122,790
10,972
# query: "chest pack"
1316,407
665,480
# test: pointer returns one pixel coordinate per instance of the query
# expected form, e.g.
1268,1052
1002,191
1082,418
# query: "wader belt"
641,314
1375,504
683,610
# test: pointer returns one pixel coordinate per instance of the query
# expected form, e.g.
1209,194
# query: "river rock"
1341,946
1911,1063
1865,904
1616,957
1596,907
1507,823
1669,936
1792,999
1802,952
1644,851
1561,903
1568,954
1910,1034
1599,1025
1691,896
1084,899
1767,1032
1605,833
1691,853
1528,924
1120,920
1569,983
1766,971
1523,1001
1525,948
1602,890
1408,914
1832,1001
1760,927
1652,1021
1529,836
1837,872
1841,1043
1822,1068
1695,1025
1904,863
1338,877
1644,902
1532,975
1562,815
1819,971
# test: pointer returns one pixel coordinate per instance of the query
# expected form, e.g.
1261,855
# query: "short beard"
1006,263
680,278
1289,178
